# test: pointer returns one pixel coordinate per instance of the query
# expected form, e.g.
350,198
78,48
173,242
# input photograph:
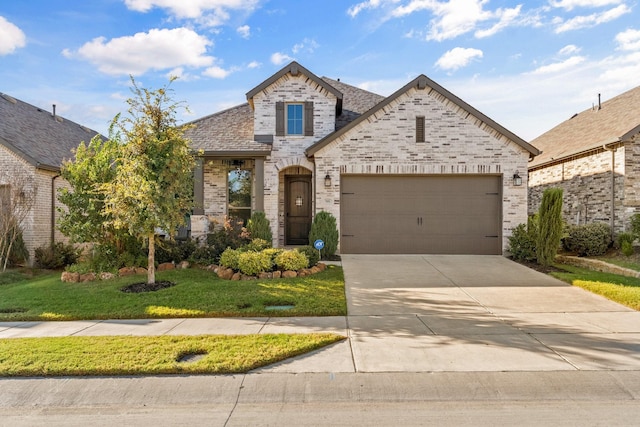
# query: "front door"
297,209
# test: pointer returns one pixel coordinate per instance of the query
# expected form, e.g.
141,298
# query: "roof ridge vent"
8,98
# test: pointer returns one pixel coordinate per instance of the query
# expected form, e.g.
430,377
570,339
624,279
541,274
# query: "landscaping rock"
289,274
277,274
88,277
126,271
265,275
141,270
315,269
105,275
166,266
245,277
70,277
321,266
184,265
236,276
304,272
225,273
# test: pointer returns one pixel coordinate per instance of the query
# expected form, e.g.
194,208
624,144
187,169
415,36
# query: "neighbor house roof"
616,120
423,82
37,136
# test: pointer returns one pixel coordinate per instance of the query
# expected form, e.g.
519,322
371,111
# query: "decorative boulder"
141,270
88,277
289,274
321,266
166,266
126,271
106,275
277,274
265,275
236,276
183,265
70,277
225,273
315,269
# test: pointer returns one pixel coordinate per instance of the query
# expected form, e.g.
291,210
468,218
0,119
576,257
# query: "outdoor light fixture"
517,179
299,201
327,181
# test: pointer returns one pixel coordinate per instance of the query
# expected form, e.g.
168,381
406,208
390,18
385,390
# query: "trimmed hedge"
588,239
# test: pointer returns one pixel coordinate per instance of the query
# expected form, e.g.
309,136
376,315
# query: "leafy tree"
84,219
152,188
549,226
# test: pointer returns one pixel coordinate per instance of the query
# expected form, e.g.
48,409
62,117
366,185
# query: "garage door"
421,214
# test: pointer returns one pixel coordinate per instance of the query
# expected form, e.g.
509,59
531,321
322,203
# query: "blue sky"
527,65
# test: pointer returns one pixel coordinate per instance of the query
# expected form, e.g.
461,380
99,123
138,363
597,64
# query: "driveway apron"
426,313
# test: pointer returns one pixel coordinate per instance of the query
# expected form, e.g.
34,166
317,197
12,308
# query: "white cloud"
353,11
280,58
569,49
216,72
506,18
307,45
457,58
11,37
254,64
244,31
592,20
155,50
629,39
559,66
211,13
571,4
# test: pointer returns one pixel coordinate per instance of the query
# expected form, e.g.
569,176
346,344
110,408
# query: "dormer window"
294,118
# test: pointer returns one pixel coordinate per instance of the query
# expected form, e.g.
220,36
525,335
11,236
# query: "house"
33,145
419,171
593,157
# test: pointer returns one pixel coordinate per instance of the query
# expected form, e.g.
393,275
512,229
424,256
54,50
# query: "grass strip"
198,293
151,355
621,289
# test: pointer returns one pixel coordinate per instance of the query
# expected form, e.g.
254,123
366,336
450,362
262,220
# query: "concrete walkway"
428,313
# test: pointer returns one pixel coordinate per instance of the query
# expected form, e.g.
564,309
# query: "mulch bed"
538,267
136,288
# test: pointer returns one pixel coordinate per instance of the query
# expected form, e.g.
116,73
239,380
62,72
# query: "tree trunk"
151,267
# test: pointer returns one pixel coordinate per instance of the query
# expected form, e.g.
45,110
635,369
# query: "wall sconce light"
299,201
517,179
327,181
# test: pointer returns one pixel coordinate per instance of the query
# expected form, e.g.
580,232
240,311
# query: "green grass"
121,355
621,289
197,293
622,261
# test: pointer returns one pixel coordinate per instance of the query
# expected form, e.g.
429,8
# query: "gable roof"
618,119
37,136
423,82
355,102
294,69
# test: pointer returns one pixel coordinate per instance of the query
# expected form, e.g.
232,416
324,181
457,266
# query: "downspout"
53,208
613,186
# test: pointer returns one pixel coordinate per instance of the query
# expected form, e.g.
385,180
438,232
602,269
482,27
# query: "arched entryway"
296,206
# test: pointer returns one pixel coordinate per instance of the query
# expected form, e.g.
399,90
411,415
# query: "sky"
527,65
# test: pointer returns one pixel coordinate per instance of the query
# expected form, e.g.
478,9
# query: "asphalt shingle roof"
617,120
36,135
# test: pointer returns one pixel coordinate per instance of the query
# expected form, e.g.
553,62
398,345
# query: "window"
294,119
239,194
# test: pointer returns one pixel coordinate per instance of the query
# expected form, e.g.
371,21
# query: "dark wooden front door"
298,209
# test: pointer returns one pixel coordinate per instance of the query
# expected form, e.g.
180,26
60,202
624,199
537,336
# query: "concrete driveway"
430,313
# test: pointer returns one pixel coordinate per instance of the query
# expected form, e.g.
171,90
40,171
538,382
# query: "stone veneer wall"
288,151
586,182
456,143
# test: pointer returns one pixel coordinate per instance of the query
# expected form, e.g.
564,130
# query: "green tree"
324,227
153,184
549,226
84,219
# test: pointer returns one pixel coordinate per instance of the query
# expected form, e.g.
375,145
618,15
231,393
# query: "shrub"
273,253
205,255
621,238
324,227
230,235
56,256
522,242
257,245
252,263
259,228
311,253
19,252
589,239
635,226
291,260
229,258
174,250
627,248
549,226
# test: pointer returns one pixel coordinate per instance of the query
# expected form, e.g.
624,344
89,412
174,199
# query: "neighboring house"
593,157
419,171
33,144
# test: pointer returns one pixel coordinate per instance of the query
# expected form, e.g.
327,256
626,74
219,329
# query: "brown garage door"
421,214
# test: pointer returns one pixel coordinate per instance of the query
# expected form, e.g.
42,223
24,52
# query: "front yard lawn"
621,289
121,355
197,293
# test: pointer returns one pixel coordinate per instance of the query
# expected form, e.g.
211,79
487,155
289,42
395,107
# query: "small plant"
231,235
291,260
588,239
627,248
205,255
259,228
257,245
522,243
324,227
230,258
635,226
252,263
311,253
56,256
624,242
174,250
